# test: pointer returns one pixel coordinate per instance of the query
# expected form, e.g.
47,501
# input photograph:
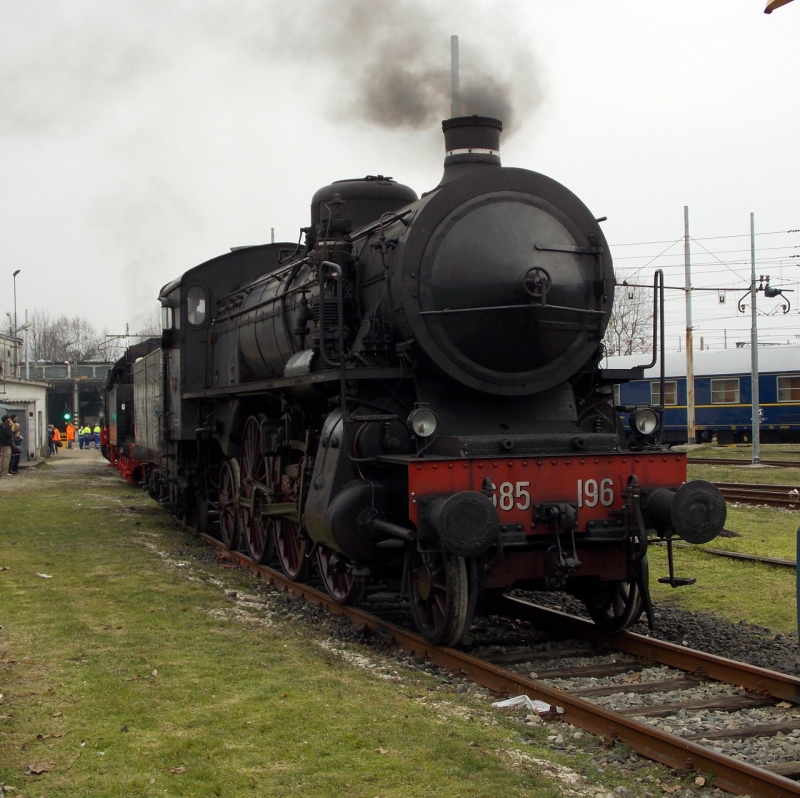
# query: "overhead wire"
711,238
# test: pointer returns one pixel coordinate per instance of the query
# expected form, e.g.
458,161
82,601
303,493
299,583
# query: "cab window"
196,306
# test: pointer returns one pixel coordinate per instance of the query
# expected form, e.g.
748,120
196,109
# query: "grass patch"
756,475
128,668
127,671
738,590
743,451
734,589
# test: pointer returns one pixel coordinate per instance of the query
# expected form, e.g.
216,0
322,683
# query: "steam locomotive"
412,400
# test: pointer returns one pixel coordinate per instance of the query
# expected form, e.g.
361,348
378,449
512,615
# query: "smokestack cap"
472,135
470,142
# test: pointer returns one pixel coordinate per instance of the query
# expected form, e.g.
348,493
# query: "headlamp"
422,422
644,420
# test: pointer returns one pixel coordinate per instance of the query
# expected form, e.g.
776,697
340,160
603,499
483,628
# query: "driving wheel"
438,591
229,479
613,606
252,496
337,576
291,546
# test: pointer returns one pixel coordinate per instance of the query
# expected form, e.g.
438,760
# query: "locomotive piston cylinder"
696,511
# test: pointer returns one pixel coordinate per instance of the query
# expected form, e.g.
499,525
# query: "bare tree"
152,324
62,338
630,328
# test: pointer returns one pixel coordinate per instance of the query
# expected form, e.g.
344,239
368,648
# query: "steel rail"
779,562
759,494
789,490
762,680
739,462
684,755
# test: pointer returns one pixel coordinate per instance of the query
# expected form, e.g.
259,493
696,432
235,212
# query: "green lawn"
128,670
132,663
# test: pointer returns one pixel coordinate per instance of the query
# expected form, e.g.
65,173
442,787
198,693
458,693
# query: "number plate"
594,484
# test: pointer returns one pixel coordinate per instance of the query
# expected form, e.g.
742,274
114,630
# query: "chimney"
470,142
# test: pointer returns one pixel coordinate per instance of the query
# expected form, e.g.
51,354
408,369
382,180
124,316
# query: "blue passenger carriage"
723,393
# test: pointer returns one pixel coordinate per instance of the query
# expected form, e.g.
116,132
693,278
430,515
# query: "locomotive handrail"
572,250
447,311
658,281
365,231
658,344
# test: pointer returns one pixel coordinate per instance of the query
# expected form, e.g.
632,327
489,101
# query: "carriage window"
166,318
196,305
670,393
725,392
789,388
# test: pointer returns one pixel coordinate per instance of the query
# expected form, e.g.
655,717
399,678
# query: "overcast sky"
140,138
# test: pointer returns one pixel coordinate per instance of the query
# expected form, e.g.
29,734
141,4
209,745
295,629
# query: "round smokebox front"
507,294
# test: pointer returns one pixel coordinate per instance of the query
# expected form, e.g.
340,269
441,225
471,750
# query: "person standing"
86,434
96,436
56,439
6,442
51,443
16,451
70,434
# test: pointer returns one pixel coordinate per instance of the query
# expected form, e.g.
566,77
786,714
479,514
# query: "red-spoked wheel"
337,576
291,546
229,481
438,590
252,494
614,606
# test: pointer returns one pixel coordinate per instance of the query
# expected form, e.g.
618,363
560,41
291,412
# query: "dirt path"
67,463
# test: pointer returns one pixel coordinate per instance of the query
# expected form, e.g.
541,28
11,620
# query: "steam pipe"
455,87
337,270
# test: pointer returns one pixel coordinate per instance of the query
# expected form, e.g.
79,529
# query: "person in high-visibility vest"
70,434
56,440
96,436
85,433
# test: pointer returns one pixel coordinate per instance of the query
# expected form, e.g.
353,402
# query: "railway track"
729,461
779,562
664,669
772,495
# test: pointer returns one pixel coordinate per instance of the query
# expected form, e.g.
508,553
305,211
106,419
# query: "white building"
26,398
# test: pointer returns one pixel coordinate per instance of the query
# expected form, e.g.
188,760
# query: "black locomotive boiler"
412,400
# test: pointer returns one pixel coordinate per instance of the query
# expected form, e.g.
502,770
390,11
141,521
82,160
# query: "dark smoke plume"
391,61
385,63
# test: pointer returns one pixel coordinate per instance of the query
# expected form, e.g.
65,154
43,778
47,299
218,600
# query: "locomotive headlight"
422,422
644,420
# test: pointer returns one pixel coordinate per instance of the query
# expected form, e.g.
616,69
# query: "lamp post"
16,328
